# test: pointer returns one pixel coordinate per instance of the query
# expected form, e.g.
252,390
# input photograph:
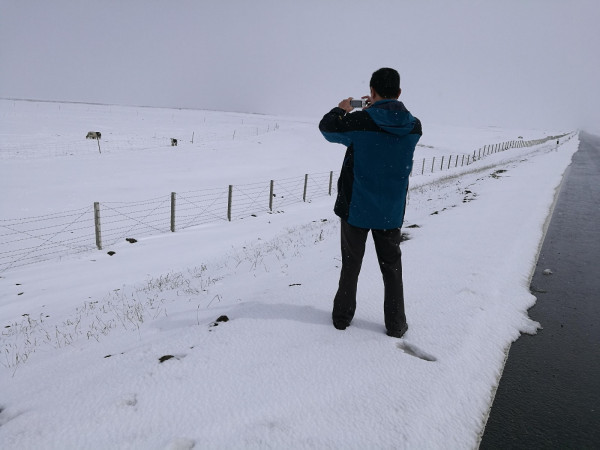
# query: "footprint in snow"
181,444
413,350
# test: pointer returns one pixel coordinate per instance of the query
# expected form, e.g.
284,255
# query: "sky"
531,63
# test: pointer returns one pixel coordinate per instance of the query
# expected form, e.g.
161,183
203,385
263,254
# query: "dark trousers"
387,246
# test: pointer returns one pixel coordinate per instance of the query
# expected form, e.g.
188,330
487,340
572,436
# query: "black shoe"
340,325
398,333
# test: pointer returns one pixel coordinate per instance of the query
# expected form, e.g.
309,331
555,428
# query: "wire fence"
57,146
35,239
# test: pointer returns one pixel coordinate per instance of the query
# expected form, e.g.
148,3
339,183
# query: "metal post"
173,212
229,202
97,225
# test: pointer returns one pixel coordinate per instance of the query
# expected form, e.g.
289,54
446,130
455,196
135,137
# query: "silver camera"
360,103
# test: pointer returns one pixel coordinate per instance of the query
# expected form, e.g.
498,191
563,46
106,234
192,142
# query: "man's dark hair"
386,82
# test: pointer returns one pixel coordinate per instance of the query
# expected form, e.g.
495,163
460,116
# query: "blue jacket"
373,182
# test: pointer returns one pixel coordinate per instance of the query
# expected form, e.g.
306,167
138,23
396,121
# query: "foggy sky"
525,63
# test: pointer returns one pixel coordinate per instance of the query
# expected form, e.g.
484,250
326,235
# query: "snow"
83,334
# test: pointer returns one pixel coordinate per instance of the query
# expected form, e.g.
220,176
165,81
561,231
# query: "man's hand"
345,105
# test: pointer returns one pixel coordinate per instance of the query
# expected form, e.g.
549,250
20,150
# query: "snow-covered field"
133,350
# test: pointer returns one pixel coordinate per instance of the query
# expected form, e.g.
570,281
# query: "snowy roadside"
276,374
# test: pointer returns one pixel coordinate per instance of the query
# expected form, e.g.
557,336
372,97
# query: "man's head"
385,83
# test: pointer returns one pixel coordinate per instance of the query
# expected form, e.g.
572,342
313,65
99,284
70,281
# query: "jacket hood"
392,116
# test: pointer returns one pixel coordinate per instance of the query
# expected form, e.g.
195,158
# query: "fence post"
330,181
432,164
173,212
463,161
442,163
97,225
423,169
305,183
229,202
449,161
271,196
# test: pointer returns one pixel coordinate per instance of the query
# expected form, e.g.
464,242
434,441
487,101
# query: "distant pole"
173,212
330,181
229,202
97,225
271,196
305,184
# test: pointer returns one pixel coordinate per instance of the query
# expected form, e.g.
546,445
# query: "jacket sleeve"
336,126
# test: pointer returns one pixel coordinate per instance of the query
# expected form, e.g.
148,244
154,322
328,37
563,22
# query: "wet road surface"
549,393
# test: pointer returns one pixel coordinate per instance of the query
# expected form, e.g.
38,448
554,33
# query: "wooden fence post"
432,164
330,181
442,163
97,225
172,212
423,169
271,196
229,202
305,184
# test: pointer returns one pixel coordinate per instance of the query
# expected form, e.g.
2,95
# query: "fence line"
29,240
34,239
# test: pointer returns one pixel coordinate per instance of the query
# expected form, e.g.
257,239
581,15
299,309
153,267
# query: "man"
372,190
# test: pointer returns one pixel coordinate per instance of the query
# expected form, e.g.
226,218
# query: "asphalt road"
549,393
